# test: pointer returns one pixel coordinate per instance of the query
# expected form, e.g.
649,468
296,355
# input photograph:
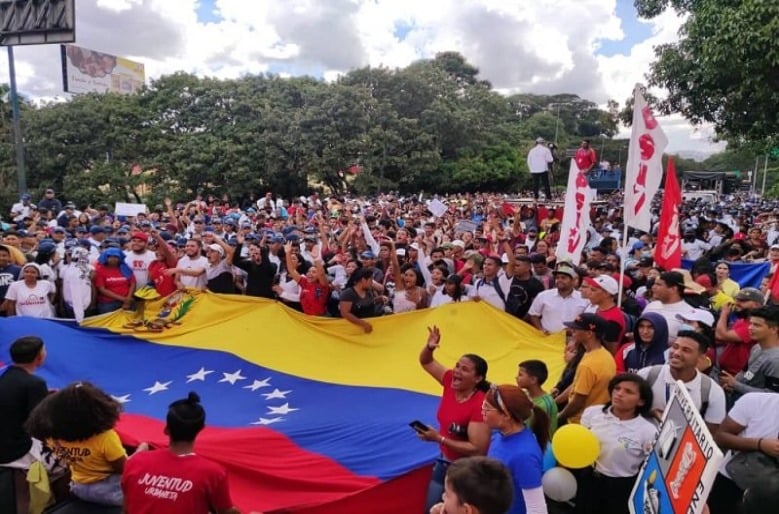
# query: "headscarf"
115,252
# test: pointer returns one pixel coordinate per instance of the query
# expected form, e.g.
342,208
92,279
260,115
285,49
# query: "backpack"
513,302
654,372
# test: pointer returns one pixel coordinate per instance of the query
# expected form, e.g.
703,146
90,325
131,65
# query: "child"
572,355
532,375
78,422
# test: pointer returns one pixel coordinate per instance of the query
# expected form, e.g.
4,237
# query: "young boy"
531,376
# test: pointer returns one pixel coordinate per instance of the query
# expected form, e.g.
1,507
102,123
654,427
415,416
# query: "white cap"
216,248
604,282
414,246
700,315
459,243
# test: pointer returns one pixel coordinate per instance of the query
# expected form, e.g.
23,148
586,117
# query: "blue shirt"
7,275
522,455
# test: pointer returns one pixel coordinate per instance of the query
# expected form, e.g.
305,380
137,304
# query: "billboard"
87,71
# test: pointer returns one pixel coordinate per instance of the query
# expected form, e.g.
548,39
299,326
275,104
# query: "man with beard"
260,270
139,258
733,341
191,269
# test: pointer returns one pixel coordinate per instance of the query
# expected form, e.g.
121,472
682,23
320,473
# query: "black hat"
646,262
588,321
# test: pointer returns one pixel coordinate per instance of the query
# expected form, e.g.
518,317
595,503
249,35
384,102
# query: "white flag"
644,170
576,217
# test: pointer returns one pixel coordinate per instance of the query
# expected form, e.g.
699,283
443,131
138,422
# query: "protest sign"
437,207
129,209
678,474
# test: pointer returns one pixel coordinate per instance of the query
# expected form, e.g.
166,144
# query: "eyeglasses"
196,222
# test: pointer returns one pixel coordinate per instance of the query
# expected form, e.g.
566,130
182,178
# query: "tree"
725,67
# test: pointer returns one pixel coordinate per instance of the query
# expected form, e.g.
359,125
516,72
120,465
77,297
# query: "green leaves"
725,68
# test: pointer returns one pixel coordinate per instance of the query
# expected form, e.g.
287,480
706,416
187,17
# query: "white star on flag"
276,394
157,387
258,384
199,375
232,377
267,421
121,399
281,409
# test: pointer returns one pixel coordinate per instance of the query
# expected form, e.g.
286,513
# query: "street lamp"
557,118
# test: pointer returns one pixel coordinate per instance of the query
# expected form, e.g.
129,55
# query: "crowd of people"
633,328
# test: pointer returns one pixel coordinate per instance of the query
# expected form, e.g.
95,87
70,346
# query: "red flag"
668,252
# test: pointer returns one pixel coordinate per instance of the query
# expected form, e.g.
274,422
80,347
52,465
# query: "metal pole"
754,176
765,173
21,178
556,123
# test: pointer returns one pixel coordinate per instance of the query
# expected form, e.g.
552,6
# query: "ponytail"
540,424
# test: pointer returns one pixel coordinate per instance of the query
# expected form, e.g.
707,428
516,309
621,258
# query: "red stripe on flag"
268,471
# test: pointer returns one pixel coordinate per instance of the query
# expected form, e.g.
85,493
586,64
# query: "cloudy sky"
597,49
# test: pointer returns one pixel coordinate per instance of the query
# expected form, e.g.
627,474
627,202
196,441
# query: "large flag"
644,170
306,414
576,217
668,252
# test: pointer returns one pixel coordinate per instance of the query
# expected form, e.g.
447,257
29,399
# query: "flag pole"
622,262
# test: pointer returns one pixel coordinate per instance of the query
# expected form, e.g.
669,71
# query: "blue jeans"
105,492
435,489
103,308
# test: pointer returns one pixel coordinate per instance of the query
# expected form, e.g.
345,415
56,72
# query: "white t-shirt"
198,262
139,263
663,387
669,312
539,158
487,292
623,444
555,310
77,288
758,413
32,302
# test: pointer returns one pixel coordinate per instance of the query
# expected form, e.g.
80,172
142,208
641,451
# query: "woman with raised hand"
462,431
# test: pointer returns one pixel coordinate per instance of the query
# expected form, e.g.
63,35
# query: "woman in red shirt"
462,432
314,288
114,281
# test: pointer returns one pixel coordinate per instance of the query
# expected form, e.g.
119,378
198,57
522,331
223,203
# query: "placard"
678,473
129,209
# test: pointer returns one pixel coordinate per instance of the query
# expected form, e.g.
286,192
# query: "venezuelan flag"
308,415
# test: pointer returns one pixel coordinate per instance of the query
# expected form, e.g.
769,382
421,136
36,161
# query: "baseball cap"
603,282
216,248
700,315
367,254
143,236
750,294
81,229
96,230
564,270
540,140
458,243
587,321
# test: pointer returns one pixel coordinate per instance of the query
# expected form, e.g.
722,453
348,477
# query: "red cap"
143,236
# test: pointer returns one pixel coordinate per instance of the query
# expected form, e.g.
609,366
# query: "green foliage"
434,126
725,67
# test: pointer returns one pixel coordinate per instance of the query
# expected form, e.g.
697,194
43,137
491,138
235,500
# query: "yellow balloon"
574,446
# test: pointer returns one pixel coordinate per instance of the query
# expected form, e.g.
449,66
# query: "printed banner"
644,170
88,71
576,217
678,474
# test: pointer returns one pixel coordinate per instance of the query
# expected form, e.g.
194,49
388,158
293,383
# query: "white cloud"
541,46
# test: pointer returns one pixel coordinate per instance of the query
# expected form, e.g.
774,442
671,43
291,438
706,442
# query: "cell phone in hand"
419,426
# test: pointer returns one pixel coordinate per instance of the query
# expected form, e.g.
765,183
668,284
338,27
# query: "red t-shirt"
735,355
164,284
160,482
585,158
612,316
454,417
112,280
313,297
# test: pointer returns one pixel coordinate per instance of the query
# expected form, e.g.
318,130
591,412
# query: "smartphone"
419,426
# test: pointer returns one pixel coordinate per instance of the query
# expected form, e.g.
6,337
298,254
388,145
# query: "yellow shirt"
592,377
90,460
730,287
719,300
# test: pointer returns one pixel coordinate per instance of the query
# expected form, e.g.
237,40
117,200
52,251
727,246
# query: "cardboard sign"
437,207
465,226
129,209
678,473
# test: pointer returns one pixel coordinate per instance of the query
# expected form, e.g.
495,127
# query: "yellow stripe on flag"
335,351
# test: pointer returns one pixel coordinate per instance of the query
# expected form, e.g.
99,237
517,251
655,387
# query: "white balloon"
559,484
